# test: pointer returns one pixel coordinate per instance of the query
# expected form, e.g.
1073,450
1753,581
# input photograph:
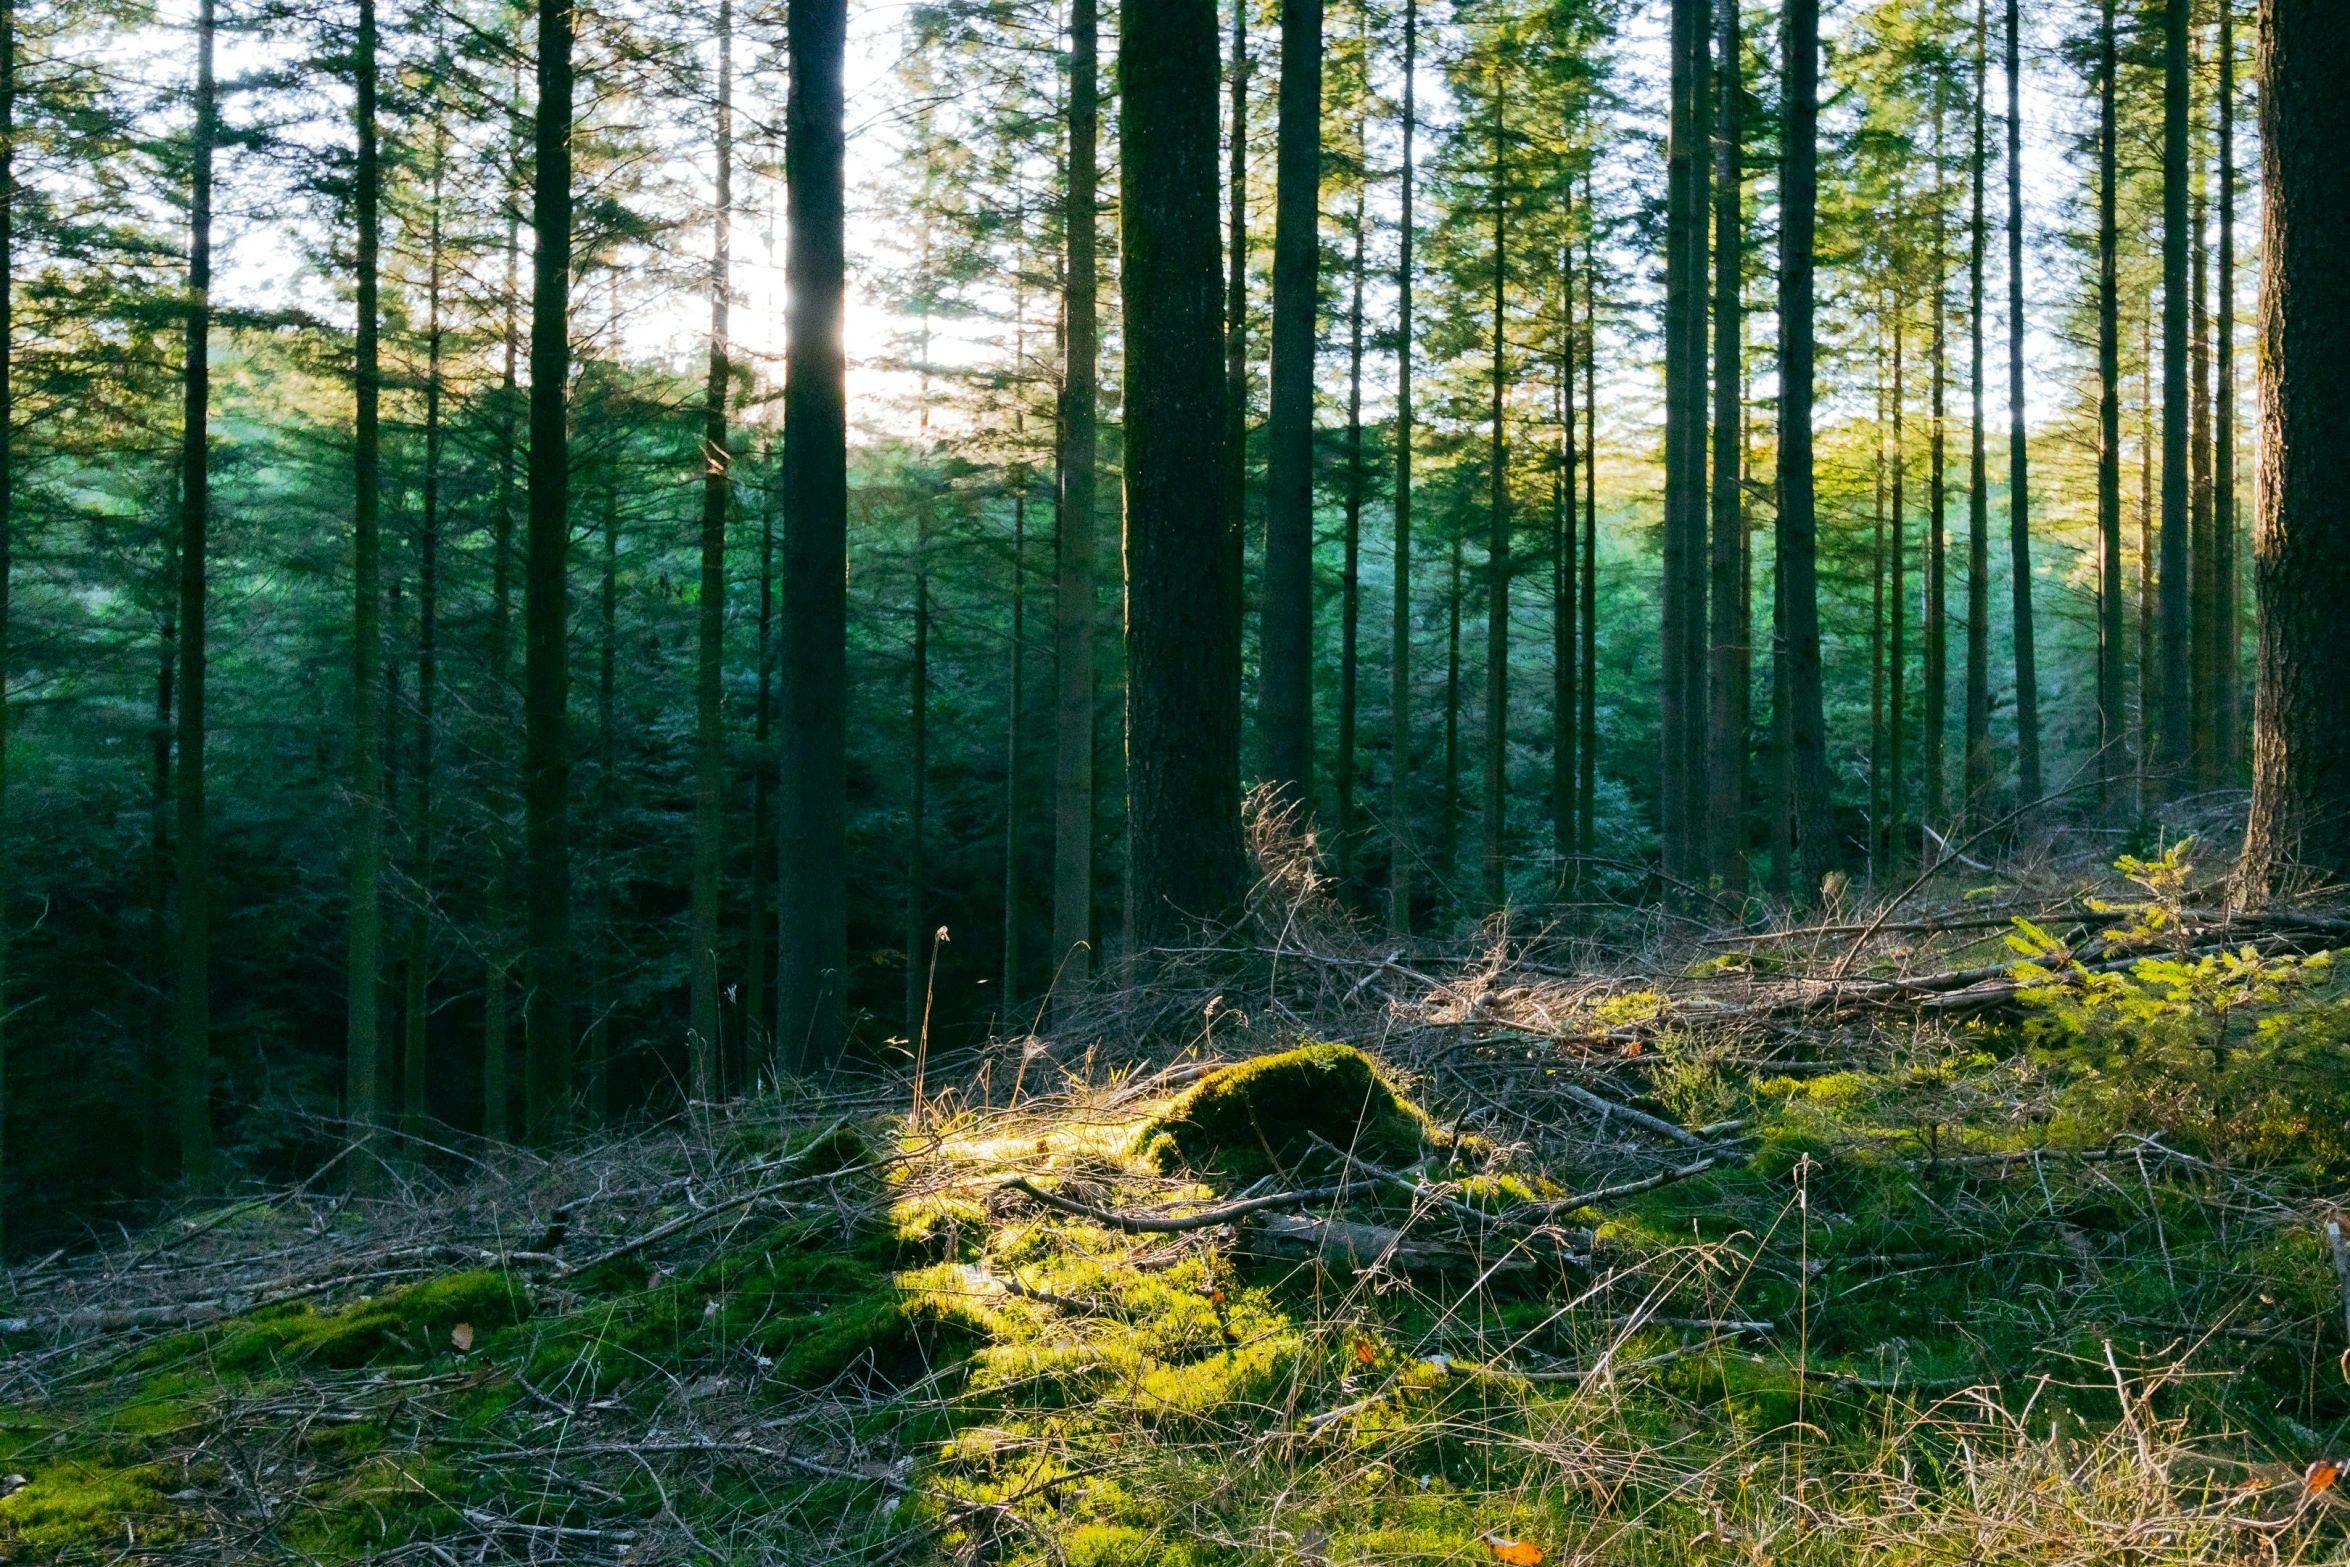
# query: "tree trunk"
2300,826
2202,588
157,1087
1399,689
1587,740
498,939
2175,732
1183,692
418,960
1876,838
1684,456
1978,761
7,482
758,1026
195,966
1285,678
1730,655
546,1023
1073,596
607,811
1448,829
710,665
812,845
1012,687
363,1047
1565,634
918,774
2149,670
1236,285
1896,833
2019,505
1937,610
2227,588
1350,581
1798,519
1497,541
2110,728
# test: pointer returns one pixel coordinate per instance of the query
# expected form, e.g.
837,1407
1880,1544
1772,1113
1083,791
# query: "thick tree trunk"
2019,490
758,1025
1587,740
547,1039
1073,597
2175,731
918,772
195,965
496,1121
1183,693
363,980
1798,519
2300,826
2202,587
1565,634
1285,676
812,845
1014,682
607,811
1978,763
710,661
1896,833
1730,655
1399,688
2110,723
1497,539
1683,459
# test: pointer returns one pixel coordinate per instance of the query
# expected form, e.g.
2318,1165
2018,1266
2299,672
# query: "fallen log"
1206,1218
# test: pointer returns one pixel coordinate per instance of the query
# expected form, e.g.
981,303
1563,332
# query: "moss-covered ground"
1981,1298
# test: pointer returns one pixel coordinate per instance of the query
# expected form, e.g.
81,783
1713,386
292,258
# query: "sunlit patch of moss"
1263,1113
66,1503
413,1323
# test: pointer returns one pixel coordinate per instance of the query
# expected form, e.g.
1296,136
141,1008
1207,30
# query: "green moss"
413,1323
68,1504
1250,1117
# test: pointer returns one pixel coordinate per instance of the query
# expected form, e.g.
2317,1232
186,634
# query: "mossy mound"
412,1323
1256,1115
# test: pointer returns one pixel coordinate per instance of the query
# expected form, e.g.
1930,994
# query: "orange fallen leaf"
1517,1553
1366,1351
1633,1048
462,1336
2322,1474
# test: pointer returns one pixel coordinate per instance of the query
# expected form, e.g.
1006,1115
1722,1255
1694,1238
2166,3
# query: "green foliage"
1263,1114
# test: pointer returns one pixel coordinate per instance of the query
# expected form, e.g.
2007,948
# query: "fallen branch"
1206,1218
1640,1118
1628,1188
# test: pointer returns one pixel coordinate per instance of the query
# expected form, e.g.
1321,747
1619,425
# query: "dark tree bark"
1285,676
1896,831
1937,609
2110,723
1798,518
496,1093
1013,685
2227,587
758,1024
1073,597
363,1045
1565,633
1587,740
710,661
1236,285
918,769
417,959
2300,826
2175,731
601,836
1399,689
1448,827
1978,760
195,965
1350,581
1730,654
1497,539
1684,439
812,845
547,1039
2202,587
2149,669
2019,489
1183,694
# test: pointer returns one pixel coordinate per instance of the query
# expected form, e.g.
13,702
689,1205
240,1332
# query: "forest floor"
1905,1233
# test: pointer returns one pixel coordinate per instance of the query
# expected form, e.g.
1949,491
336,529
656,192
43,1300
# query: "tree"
710,662
7,503
367,600
2109,414
2300,824
1728,698
1183,594
1399,801
2227,591
1937,608
1074,588
1497,542
1798,519
1350,582
546,599
812,884
1285,680
414,1011
1978,504
2019,512
195,965
2175,731
1681,696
